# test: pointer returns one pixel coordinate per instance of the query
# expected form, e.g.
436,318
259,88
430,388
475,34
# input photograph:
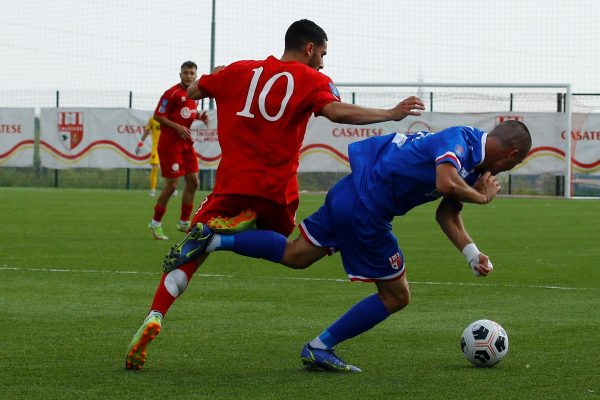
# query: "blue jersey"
396,172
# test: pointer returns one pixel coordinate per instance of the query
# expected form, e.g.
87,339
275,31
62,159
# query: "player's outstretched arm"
138,148
345,113
449,219
145,134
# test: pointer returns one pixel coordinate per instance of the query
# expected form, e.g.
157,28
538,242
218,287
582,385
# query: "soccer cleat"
136,352
191,247
244,221
325,360
152,193
183,226
157,231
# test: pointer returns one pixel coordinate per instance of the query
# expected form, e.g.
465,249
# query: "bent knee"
176,282
299,254
296,263
193,185
396,301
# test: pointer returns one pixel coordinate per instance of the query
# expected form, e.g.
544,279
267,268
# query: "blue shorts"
367,245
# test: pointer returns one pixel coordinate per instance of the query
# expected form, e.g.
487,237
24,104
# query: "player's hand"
217,69
488,185
138,148
203,116
184,133
482,267
409,106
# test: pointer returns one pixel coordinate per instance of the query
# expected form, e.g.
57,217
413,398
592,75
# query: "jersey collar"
483,140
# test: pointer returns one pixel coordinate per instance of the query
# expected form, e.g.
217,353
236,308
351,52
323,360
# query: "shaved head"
506,146
512,134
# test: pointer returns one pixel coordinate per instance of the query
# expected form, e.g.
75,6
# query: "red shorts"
174,164
270,215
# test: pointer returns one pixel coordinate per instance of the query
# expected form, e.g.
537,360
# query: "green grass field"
79,268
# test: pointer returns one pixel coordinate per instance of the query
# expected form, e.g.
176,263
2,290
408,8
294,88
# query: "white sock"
152,313
155,222
317,344
214,244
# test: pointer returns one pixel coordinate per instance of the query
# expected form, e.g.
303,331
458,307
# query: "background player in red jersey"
175,112
263,108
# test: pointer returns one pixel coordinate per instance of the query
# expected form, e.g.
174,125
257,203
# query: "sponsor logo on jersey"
70,128
185,113
464,173
399,139
459,151
175,167
334,91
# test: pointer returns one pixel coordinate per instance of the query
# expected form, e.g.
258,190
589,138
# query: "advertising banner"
16,137
326,143
107,138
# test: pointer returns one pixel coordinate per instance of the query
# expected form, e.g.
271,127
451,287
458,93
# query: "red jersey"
176,106
262,109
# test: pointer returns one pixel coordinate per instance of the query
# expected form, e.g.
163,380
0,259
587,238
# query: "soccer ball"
484,343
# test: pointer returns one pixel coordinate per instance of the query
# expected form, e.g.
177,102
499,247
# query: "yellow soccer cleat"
136,353
244,221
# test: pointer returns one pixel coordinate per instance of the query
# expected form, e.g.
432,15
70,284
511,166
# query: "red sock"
163,300
186,211
159,211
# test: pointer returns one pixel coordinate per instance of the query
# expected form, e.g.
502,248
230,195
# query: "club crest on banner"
70,128
501,118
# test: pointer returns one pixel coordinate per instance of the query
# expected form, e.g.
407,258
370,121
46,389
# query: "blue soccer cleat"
325,360
190,248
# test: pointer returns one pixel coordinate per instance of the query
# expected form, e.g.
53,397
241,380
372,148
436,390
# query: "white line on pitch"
97,271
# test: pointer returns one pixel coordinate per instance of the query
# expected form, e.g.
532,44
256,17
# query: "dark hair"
302,32
514,134
189,64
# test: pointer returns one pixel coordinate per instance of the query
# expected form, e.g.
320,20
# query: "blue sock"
268,245
360,318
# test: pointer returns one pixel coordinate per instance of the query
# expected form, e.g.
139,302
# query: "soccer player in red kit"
263,108
175,112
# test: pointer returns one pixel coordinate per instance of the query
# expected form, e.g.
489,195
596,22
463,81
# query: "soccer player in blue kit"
391,174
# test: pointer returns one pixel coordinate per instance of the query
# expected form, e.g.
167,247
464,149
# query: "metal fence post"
56,169
128,177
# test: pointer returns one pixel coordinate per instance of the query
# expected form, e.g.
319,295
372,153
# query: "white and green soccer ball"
484,343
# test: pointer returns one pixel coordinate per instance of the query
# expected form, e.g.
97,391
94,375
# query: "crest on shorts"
396,261
70,128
